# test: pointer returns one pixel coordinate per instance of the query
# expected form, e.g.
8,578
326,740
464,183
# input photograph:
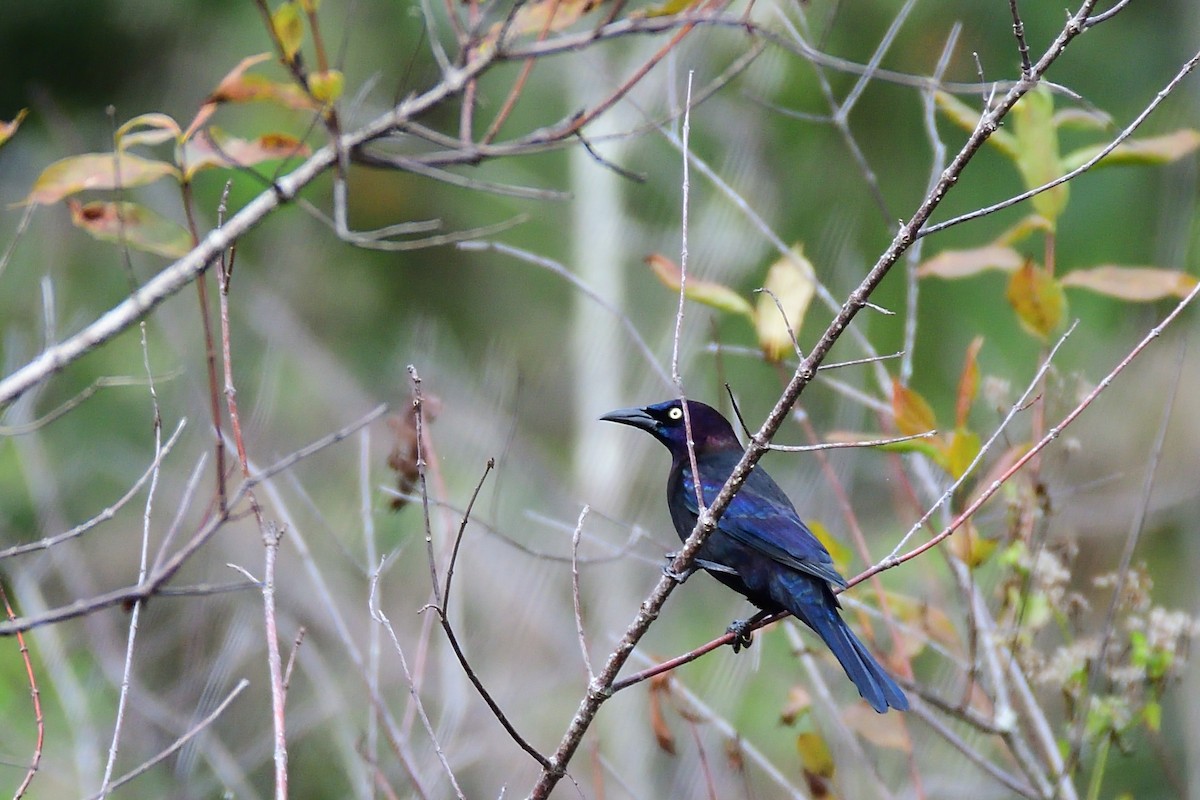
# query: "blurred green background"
522,364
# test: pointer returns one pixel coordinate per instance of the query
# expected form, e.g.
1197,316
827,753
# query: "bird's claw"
743,637
678,577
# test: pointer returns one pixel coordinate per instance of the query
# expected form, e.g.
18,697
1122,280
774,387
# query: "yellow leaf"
709,293
965,263
131,224
1151,150
912,414
964,446
1037,298
7,129
837,551
159,128
95,171
815,755
326,87
787,293
969,547
1138,284
289,27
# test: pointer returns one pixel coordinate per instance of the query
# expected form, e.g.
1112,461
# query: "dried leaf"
1151,150
214,148
1138,284
881,730
910,410
289,28
709,293
131,224
798,705
158,128
964,263
924,617
792,282
95,171
1037,151
968,383
660,686
1024,228
541,17
7,129
1037,298
403,458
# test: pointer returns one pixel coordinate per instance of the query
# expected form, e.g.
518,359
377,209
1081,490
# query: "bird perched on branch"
760,548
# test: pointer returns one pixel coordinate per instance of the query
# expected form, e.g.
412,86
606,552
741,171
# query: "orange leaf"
968,383
132,224
1138,284
965,263
95,171
1037,298
913,415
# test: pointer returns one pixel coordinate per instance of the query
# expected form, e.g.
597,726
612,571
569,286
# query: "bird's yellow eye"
675,413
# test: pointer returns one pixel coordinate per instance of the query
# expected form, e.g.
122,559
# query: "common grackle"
760,547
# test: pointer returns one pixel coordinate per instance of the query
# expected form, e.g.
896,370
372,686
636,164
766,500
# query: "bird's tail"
874,683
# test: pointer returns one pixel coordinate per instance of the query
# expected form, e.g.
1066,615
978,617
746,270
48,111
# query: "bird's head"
666,422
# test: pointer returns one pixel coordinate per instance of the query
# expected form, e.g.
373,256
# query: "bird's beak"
635,417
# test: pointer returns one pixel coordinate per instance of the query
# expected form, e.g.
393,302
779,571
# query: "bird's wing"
762,518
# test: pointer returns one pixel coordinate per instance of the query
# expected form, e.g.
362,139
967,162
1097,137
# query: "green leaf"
1037,151
95,171
132,224
289,27
792,282
1038,299
1136,284
709,293
1154,150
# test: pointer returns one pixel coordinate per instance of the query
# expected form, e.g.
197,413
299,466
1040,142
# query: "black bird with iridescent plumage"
760,548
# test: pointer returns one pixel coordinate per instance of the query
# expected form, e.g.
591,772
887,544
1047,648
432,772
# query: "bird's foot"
743,637
678,577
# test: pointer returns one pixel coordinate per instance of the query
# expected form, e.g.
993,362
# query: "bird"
760,547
